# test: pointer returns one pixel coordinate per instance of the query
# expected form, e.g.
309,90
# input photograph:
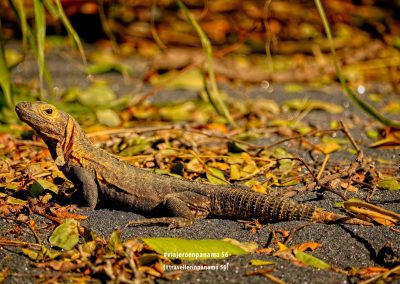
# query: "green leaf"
215,176
176,248
234,159
96,96
310,260
13,58
66,235
340,204
175,80
390,183
234,147
15,201
32,254
179,112
5,80
373,134
235,172
41,255
113,244
259,262
178,168
71,32
108,117
194,166
49,253
246,246
306,104
105,67
137,145
39,185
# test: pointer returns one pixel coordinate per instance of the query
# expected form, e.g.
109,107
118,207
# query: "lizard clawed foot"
171,222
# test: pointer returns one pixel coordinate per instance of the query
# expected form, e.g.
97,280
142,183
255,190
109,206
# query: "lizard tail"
247,204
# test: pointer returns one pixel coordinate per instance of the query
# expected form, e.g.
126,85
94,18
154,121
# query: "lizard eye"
48,111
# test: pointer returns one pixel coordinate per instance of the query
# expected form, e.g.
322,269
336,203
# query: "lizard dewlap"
102,177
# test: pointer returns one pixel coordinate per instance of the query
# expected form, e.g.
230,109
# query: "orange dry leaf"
62,213
371,271
392,139
307,246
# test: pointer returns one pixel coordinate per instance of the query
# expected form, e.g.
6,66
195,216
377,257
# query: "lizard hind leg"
178,205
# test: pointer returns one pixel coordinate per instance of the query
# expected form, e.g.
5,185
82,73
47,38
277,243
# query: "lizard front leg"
181,206
85,182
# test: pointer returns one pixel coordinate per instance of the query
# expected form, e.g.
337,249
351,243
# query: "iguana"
102,177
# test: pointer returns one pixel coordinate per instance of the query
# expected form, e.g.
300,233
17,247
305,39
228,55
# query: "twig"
346,131
293,231
323,166
14,243
47,216
300,136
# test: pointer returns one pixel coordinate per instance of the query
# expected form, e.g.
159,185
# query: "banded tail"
246,204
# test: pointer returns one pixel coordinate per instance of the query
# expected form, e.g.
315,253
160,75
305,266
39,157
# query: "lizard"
102,177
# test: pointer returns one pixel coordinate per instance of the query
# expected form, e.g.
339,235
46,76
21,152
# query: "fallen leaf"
39,185
96,96
310,260
215,176
113,244
108,117
15,201
259,262
176,248
105,67
188,80
66,235
390,183
306,104
234,147
307,246
247,246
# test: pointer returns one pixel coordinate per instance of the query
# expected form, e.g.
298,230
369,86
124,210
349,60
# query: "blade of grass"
106,26
58,12
40,35
153,26
346,88
268,36
214,95
5,80
28,39
19,10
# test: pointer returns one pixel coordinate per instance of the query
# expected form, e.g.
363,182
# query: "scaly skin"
101,177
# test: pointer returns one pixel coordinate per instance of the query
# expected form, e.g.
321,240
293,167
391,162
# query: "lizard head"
49,122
